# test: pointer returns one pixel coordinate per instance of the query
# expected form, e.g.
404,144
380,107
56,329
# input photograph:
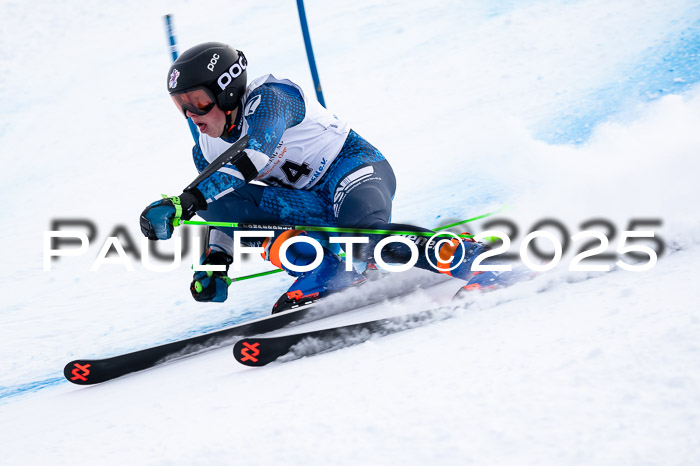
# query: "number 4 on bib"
294,171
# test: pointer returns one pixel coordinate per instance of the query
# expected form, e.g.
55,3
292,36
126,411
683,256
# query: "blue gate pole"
310,52
173,52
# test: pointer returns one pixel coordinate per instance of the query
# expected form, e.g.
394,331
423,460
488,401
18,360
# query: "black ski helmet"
214,66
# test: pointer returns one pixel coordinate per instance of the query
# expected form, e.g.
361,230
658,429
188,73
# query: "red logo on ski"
80,372
246,352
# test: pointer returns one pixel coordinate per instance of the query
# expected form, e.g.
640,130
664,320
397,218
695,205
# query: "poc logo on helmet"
233,72
212,62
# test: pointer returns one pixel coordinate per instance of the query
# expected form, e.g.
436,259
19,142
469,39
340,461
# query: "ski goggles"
198,101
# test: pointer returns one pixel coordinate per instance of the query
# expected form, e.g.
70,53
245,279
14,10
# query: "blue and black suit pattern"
366,203
280,108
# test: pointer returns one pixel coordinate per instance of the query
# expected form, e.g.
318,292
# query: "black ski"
262,351
93,371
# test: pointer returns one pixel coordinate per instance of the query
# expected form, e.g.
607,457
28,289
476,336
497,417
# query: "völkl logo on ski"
80,372
247,348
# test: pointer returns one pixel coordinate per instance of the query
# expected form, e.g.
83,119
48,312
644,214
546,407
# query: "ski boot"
372,272
490,281
328,278
455,258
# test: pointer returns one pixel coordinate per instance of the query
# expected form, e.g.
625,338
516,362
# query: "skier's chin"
209,130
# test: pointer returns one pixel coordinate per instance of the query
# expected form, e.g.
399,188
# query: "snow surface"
557,109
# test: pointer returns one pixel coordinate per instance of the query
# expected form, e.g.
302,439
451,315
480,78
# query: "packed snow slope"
570,111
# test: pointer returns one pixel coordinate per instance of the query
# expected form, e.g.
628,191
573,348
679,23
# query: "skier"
316,171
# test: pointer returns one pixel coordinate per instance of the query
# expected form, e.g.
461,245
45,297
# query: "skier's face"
212,124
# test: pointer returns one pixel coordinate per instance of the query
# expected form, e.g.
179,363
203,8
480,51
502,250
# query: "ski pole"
250,226
272,227
255,226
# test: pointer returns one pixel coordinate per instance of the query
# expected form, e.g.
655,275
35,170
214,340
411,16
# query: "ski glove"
159,219
209,286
